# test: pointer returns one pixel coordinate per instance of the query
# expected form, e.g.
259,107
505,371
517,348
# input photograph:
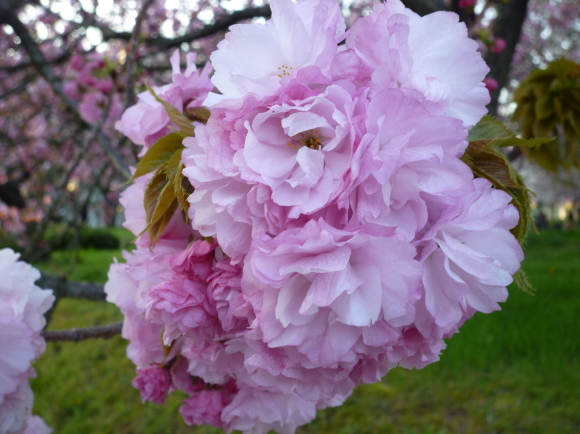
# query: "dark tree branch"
75,335
66,288
508,25
220,25
39,61
464,16
210,29
23,65
424,7
8,7
20,87
131,63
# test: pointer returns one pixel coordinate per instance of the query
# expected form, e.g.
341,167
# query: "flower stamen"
284,71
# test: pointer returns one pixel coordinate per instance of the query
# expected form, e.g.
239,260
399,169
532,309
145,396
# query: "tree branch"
39,61
424,7
79,334
209,29
66,288
131,62
20,87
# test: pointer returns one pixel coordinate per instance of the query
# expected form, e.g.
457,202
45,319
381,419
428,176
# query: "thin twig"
131,60
39,61
210,29
79,334
20,87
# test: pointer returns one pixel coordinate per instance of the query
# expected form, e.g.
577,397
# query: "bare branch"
210,29
63,288
424,7
8,7
131,63
23,65
20,87
39,61
75,335
66,288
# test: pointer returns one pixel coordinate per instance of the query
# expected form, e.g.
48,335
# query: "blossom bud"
491,84
465,4
498,46
153,382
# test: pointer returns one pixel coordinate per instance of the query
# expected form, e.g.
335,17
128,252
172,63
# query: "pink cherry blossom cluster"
93,87
147,121
22,306
335,233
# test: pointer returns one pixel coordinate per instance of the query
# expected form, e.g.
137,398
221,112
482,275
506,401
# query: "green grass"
514,371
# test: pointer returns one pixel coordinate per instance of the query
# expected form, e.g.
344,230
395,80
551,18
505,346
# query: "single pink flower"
256,58
153,383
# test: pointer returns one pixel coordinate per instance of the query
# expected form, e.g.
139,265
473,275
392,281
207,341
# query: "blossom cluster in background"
93,88
22,308
334,231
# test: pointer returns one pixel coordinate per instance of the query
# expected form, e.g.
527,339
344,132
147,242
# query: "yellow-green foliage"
548,104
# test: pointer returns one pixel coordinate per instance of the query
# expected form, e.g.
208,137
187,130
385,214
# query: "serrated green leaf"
164,201
182,191
199,114
495,167
156,229
522,282
158,155
172,168
152,192
486,161
178,118
488,128
521,199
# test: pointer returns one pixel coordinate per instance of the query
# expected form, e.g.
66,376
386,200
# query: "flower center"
284,71
311,139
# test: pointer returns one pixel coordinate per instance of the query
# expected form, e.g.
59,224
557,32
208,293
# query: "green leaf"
494,166
487,161
172,167
152,192
156,229
522,282
199,114
158,155
178,118
488,128
548,103
182,191
164,202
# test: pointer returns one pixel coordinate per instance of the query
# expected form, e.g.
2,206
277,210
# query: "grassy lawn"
514,371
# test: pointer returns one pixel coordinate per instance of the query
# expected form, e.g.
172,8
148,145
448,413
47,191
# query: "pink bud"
490,84
498,46
464,4
153,382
